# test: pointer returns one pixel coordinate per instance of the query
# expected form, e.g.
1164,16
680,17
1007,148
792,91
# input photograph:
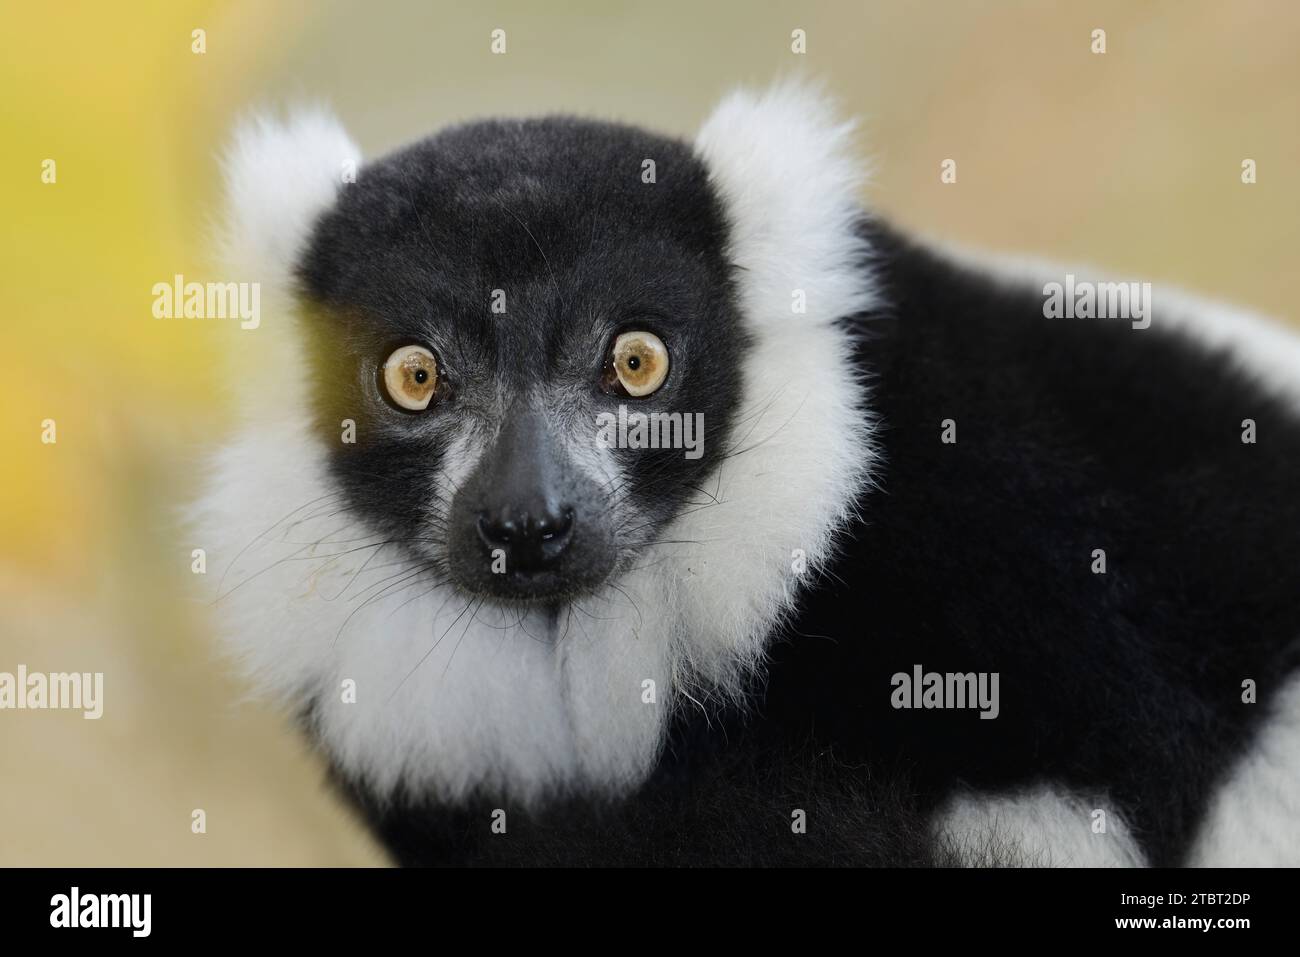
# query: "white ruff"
453,699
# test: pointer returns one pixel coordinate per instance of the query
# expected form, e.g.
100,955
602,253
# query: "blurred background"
1130,160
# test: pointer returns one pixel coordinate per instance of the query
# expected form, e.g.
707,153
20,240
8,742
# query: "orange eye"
411,377
638,363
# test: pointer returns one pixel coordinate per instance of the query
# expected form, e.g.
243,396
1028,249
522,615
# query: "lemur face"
483,305
444,492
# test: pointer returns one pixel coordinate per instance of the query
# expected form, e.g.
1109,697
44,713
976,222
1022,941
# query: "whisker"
431,649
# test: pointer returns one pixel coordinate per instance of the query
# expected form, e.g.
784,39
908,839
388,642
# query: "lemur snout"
528,524
531,538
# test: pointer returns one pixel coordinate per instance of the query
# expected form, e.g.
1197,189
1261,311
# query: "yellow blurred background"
1130,160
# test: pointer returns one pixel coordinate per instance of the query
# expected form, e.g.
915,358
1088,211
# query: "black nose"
530,540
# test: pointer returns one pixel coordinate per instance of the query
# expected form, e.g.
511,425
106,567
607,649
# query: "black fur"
718,797
1072,435
976,556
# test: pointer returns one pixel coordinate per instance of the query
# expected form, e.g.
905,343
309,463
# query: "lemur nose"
530,540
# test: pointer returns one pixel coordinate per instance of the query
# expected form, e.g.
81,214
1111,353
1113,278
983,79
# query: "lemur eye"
411,377
637,365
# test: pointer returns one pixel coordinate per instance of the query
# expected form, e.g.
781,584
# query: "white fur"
789,180
1038,827
485,702
1254,820
279,176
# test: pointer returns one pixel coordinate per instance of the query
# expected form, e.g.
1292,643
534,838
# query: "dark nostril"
531,540
552,527
496,531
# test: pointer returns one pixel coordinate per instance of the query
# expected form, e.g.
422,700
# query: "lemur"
520,636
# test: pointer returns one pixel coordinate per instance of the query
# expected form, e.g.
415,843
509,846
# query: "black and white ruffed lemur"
523,634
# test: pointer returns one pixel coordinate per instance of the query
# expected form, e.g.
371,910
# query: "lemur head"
544,421
484,305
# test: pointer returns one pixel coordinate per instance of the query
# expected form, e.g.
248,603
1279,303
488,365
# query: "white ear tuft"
784,166
279,177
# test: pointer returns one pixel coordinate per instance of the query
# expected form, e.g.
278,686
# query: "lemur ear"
784,165
279,176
